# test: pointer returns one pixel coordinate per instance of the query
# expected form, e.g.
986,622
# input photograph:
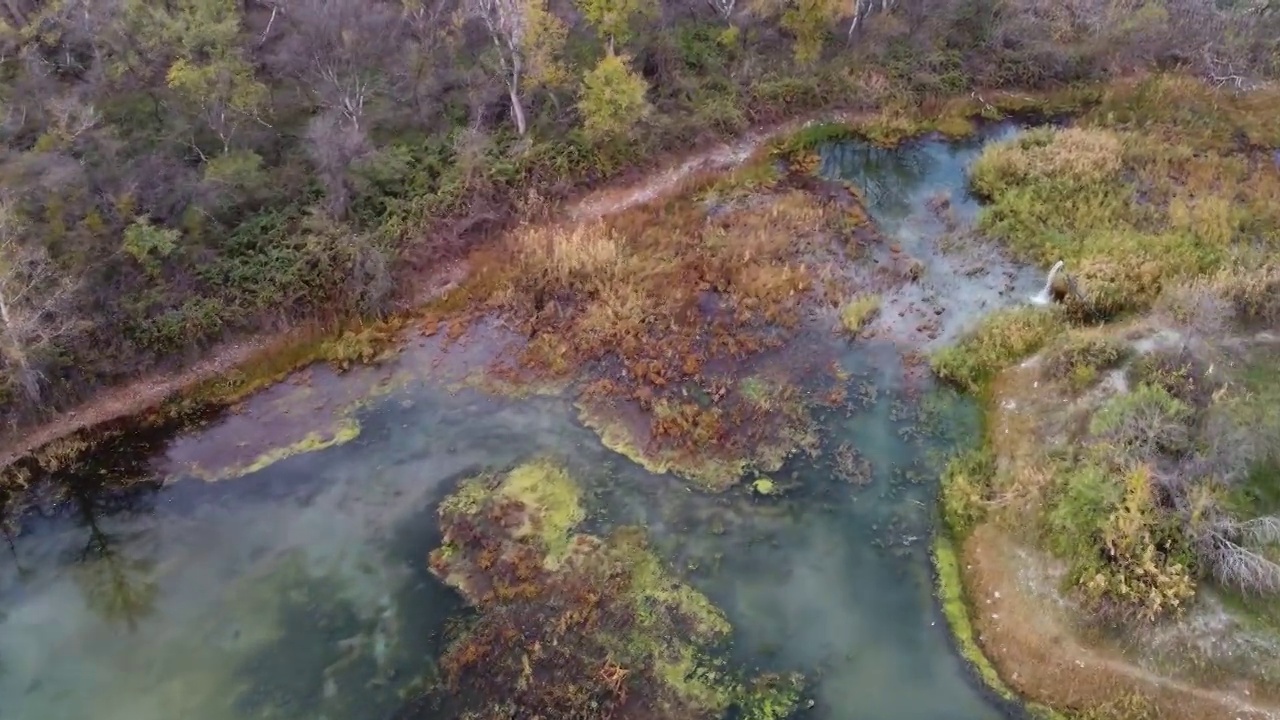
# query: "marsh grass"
859,311
1143,193
1000,340
641,304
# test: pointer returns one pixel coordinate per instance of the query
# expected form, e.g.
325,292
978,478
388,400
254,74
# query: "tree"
35,302
343,50
613,18
808,21
210,69
862,9
334,144
528,39
613,98
723,8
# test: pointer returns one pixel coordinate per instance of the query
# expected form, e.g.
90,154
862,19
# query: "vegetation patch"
654,309
1000,340
858,312
346,430
1137,196
573,625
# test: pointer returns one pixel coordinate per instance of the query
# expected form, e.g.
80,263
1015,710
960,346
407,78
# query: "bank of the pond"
232,371
1014,608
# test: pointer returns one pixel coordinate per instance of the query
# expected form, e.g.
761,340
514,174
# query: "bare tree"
335,143
18,12
342,50
1233,551
35,301
862,9
723,8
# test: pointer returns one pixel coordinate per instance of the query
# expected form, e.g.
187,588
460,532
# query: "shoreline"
667,177
1065,676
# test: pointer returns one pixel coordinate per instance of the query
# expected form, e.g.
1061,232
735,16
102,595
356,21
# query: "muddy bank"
1022,628
1028,610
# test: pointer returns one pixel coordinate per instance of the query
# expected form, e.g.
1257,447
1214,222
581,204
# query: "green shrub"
1079,358
1127,558
1144,423
1001,339
858,312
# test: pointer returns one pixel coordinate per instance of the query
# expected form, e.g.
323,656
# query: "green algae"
764,486
552,497
344,431
607,629
708,473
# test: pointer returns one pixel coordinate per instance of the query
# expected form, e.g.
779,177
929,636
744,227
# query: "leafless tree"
506,23
723,8
35,302
1233,551
526,37
17,13
343,50
335,144
862,9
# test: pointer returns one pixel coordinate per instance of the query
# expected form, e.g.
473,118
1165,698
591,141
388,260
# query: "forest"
177,174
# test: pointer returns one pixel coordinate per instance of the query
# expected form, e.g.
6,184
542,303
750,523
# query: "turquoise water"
301,590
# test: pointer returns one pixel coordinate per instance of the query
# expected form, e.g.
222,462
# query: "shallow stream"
300,590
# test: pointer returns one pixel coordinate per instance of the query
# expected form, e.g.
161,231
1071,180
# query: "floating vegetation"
345,430
856,313
711,439
850,465
651,305
572,625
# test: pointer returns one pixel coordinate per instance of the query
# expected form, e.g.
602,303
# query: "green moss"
858,312
547,490
951,595
764,486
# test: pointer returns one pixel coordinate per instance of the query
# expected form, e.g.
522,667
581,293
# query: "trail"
139,395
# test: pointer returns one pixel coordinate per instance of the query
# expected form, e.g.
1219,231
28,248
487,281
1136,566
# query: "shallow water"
301,589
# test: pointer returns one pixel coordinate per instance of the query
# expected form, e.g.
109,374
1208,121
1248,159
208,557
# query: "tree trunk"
18,10
517,111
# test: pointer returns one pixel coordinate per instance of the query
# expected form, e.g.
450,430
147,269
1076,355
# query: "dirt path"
661,183
130,399
1038,656
137,396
